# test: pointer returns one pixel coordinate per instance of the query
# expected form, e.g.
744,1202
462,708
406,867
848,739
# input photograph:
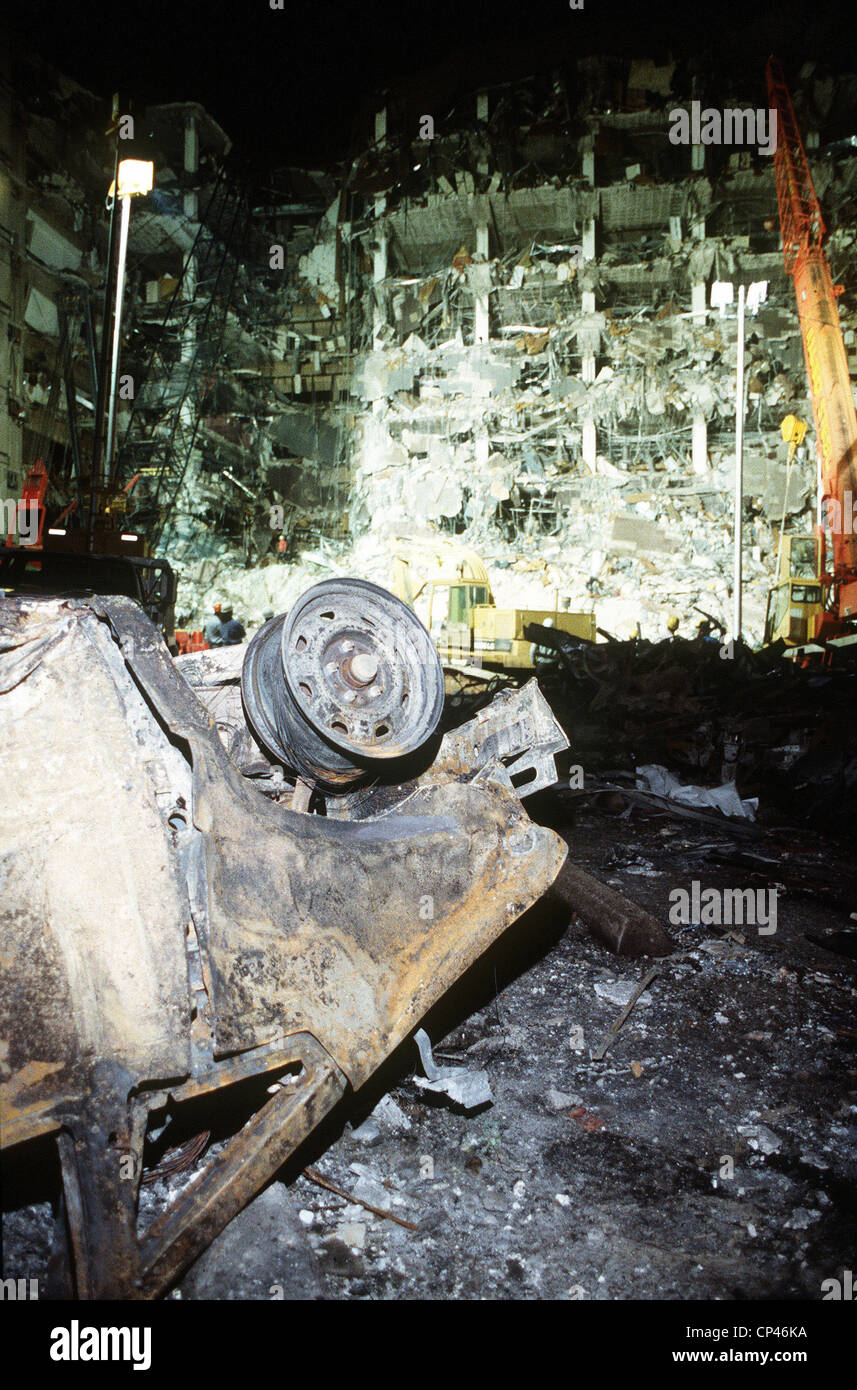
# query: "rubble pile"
499,327
718,716
503,332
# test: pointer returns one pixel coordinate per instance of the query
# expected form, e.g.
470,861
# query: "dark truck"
28,570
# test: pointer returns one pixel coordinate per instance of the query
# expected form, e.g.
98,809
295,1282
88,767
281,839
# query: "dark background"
291,86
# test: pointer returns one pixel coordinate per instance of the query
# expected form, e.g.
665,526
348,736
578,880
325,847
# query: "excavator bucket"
169,930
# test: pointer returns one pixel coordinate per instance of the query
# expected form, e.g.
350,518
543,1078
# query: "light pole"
739,473
135,177
721,295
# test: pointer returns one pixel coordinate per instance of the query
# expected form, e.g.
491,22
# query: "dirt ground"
709,1155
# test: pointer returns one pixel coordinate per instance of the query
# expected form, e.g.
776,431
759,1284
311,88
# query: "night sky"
288,85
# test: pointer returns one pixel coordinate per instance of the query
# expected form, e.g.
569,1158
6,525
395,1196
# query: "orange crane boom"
803,233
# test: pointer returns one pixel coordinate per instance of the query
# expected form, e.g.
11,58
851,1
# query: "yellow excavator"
795,603
447,585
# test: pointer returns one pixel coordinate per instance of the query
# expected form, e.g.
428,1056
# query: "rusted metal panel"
95,914
352,931
243,1167
349,931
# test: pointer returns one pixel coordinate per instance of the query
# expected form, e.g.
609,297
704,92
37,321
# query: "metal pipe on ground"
622,925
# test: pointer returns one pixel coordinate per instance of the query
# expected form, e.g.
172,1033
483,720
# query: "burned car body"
169,929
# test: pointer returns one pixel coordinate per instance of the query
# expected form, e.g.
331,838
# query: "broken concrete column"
482,110
589,160
589,239
481,314
379,256
700,444
379,275
190,203
191,164
588,296
590,444
697,301
701,261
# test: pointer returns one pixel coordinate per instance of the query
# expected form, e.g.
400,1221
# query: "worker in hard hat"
233,630
213,628
672,625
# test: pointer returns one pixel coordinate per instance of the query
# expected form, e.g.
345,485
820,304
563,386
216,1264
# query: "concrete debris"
760,1138
563,1100
391,1115
368,1188
387,1117
629,994
441,350
369,1133
801,1218
724,798
262,1253
352,1234
620,992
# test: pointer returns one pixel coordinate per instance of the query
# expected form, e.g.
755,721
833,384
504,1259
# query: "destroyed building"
500,330
505,332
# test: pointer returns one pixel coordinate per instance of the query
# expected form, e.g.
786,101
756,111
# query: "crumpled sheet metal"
468,1087
330,939
655,778
349,931
517,731
94,913
138,859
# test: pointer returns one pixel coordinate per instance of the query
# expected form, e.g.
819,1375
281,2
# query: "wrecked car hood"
169,929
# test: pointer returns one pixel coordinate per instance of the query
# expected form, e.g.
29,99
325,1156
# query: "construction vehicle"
97,558
447,585
795,604
815,598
